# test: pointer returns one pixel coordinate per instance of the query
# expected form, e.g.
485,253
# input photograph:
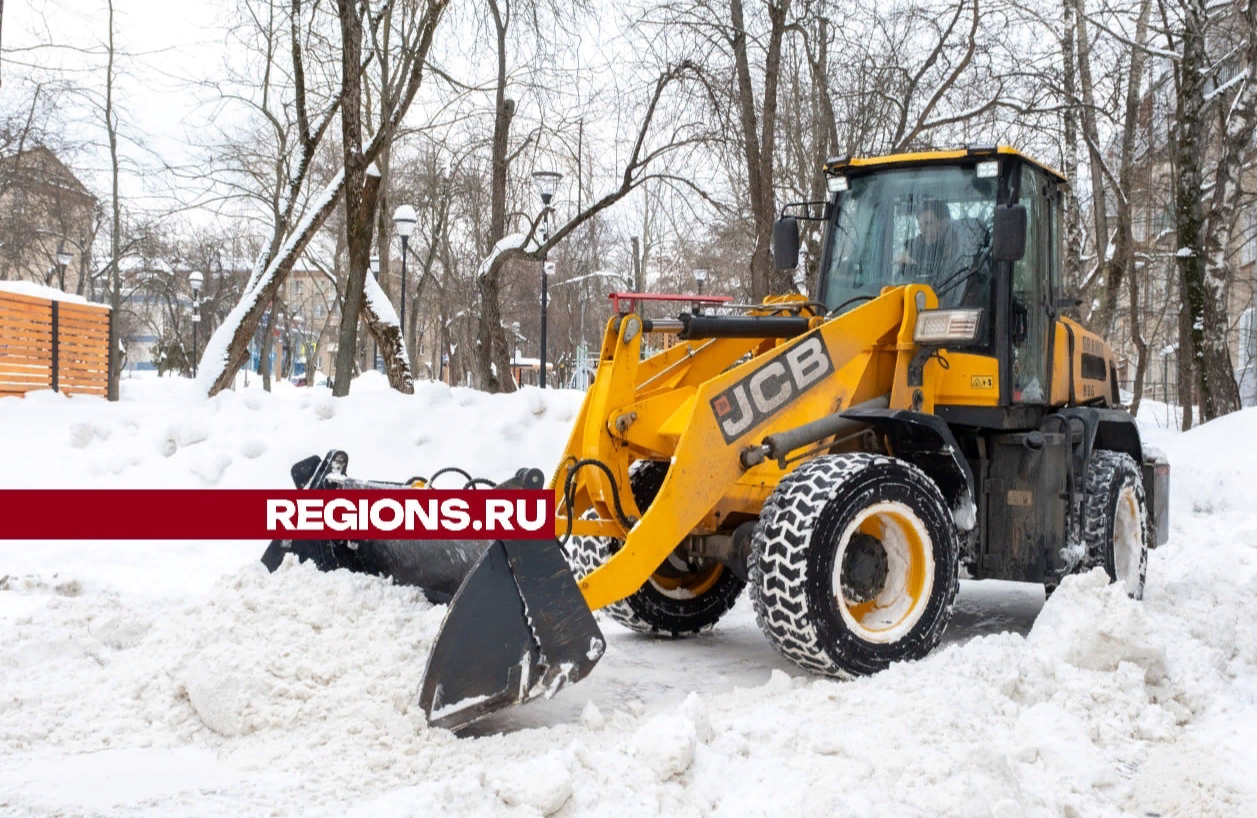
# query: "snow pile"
162,434
295,692
1215,465
261,654
1093,625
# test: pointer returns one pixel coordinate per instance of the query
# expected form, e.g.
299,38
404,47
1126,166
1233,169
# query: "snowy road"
649,673
179,679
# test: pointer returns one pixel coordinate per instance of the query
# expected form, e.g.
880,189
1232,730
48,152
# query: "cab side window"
1028,324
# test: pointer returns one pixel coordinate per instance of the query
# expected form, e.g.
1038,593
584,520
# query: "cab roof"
930,157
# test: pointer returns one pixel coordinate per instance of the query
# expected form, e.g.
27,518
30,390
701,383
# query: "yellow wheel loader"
929,414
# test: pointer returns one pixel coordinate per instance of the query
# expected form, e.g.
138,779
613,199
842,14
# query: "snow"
378,303
514,241
1226,86
178,678
40,291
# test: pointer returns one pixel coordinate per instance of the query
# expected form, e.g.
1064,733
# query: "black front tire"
810,613
681,599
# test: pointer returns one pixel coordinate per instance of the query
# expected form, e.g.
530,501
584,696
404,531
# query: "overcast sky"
162,43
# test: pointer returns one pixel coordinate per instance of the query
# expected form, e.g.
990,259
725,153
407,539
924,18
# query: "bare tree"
292,232
1201,223
639,168
115,205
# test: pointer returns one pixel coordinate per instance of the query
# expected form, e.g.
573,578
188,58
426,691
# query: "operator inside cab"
927,225
944,248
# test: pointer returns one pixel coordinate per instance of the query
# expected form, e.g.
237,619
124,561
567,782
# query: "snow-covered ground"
178,678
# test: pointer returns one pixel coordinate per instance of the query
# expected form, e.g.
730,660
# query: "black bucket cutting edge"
517,629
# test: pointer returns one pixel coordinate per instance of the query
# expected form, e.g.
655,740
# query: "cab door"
1025,485
1030,319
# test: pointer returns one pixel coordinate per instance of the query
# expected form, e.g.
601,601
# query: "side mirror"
1008,240
786,243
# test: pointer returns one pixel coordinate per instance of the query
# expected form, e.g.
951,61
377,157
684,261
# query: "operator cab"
912,225
980,226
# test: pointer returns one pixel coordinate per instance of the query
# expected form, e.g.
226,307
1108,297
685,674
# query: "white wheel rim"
904,596
1127,540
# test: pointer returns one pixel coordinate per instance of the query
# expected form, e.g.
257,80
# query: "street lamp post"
700,275
546,181
404,223
196,280
63,261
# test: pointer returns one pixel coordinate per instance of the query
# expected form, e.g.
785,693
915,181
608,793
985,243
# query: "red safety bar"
632,298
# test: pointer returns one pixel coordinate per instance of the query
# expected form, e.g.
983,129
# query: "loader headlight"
947,327
836,183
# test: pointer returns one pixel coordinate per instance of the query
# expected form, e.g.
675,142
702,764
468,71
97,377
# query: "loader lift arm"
670,408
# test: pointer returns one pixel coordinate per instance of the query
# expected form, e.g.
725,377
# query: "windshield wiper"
964,273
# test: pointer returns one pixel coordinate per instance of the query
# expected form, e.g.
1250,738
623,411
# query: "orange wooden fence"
53,345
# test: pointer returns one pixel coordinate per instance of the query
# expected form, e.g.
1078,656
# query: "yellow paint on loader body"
1082,366
666,408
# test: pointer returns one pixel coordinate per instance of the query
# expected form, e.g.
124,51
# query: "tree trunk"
267,347
1201,290
491,357
1091,136
759,141
1141,346
115,243
357,232
493,363
1122,261
381,322
1186,378
1072,273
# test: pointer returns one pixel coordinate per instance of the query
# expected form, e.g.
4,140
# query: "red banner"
234,514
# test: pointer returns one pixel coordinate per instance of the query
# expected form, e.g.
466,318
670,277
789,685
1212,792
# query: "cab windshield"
927,225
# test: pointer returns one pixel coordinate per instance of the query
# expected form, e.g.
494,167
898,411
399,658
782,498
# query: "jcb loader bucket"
517,626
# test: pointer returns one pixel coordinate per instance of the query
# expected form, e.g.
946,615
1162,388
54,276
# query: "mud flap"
518,628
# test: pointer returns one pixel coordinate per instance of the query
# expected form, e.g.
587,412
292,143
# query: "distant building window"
320,311
297,288
1248,338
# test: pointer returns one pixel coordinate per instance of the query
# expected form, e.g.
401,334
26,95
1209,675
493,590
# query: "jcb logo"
765,391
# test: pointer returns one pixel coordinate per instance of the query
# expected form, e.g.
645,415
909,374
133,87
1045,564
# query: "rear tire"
855,564
1116,527
681,599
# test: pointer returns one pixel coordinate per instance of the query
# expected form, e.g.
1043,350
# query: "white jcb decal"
765,391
